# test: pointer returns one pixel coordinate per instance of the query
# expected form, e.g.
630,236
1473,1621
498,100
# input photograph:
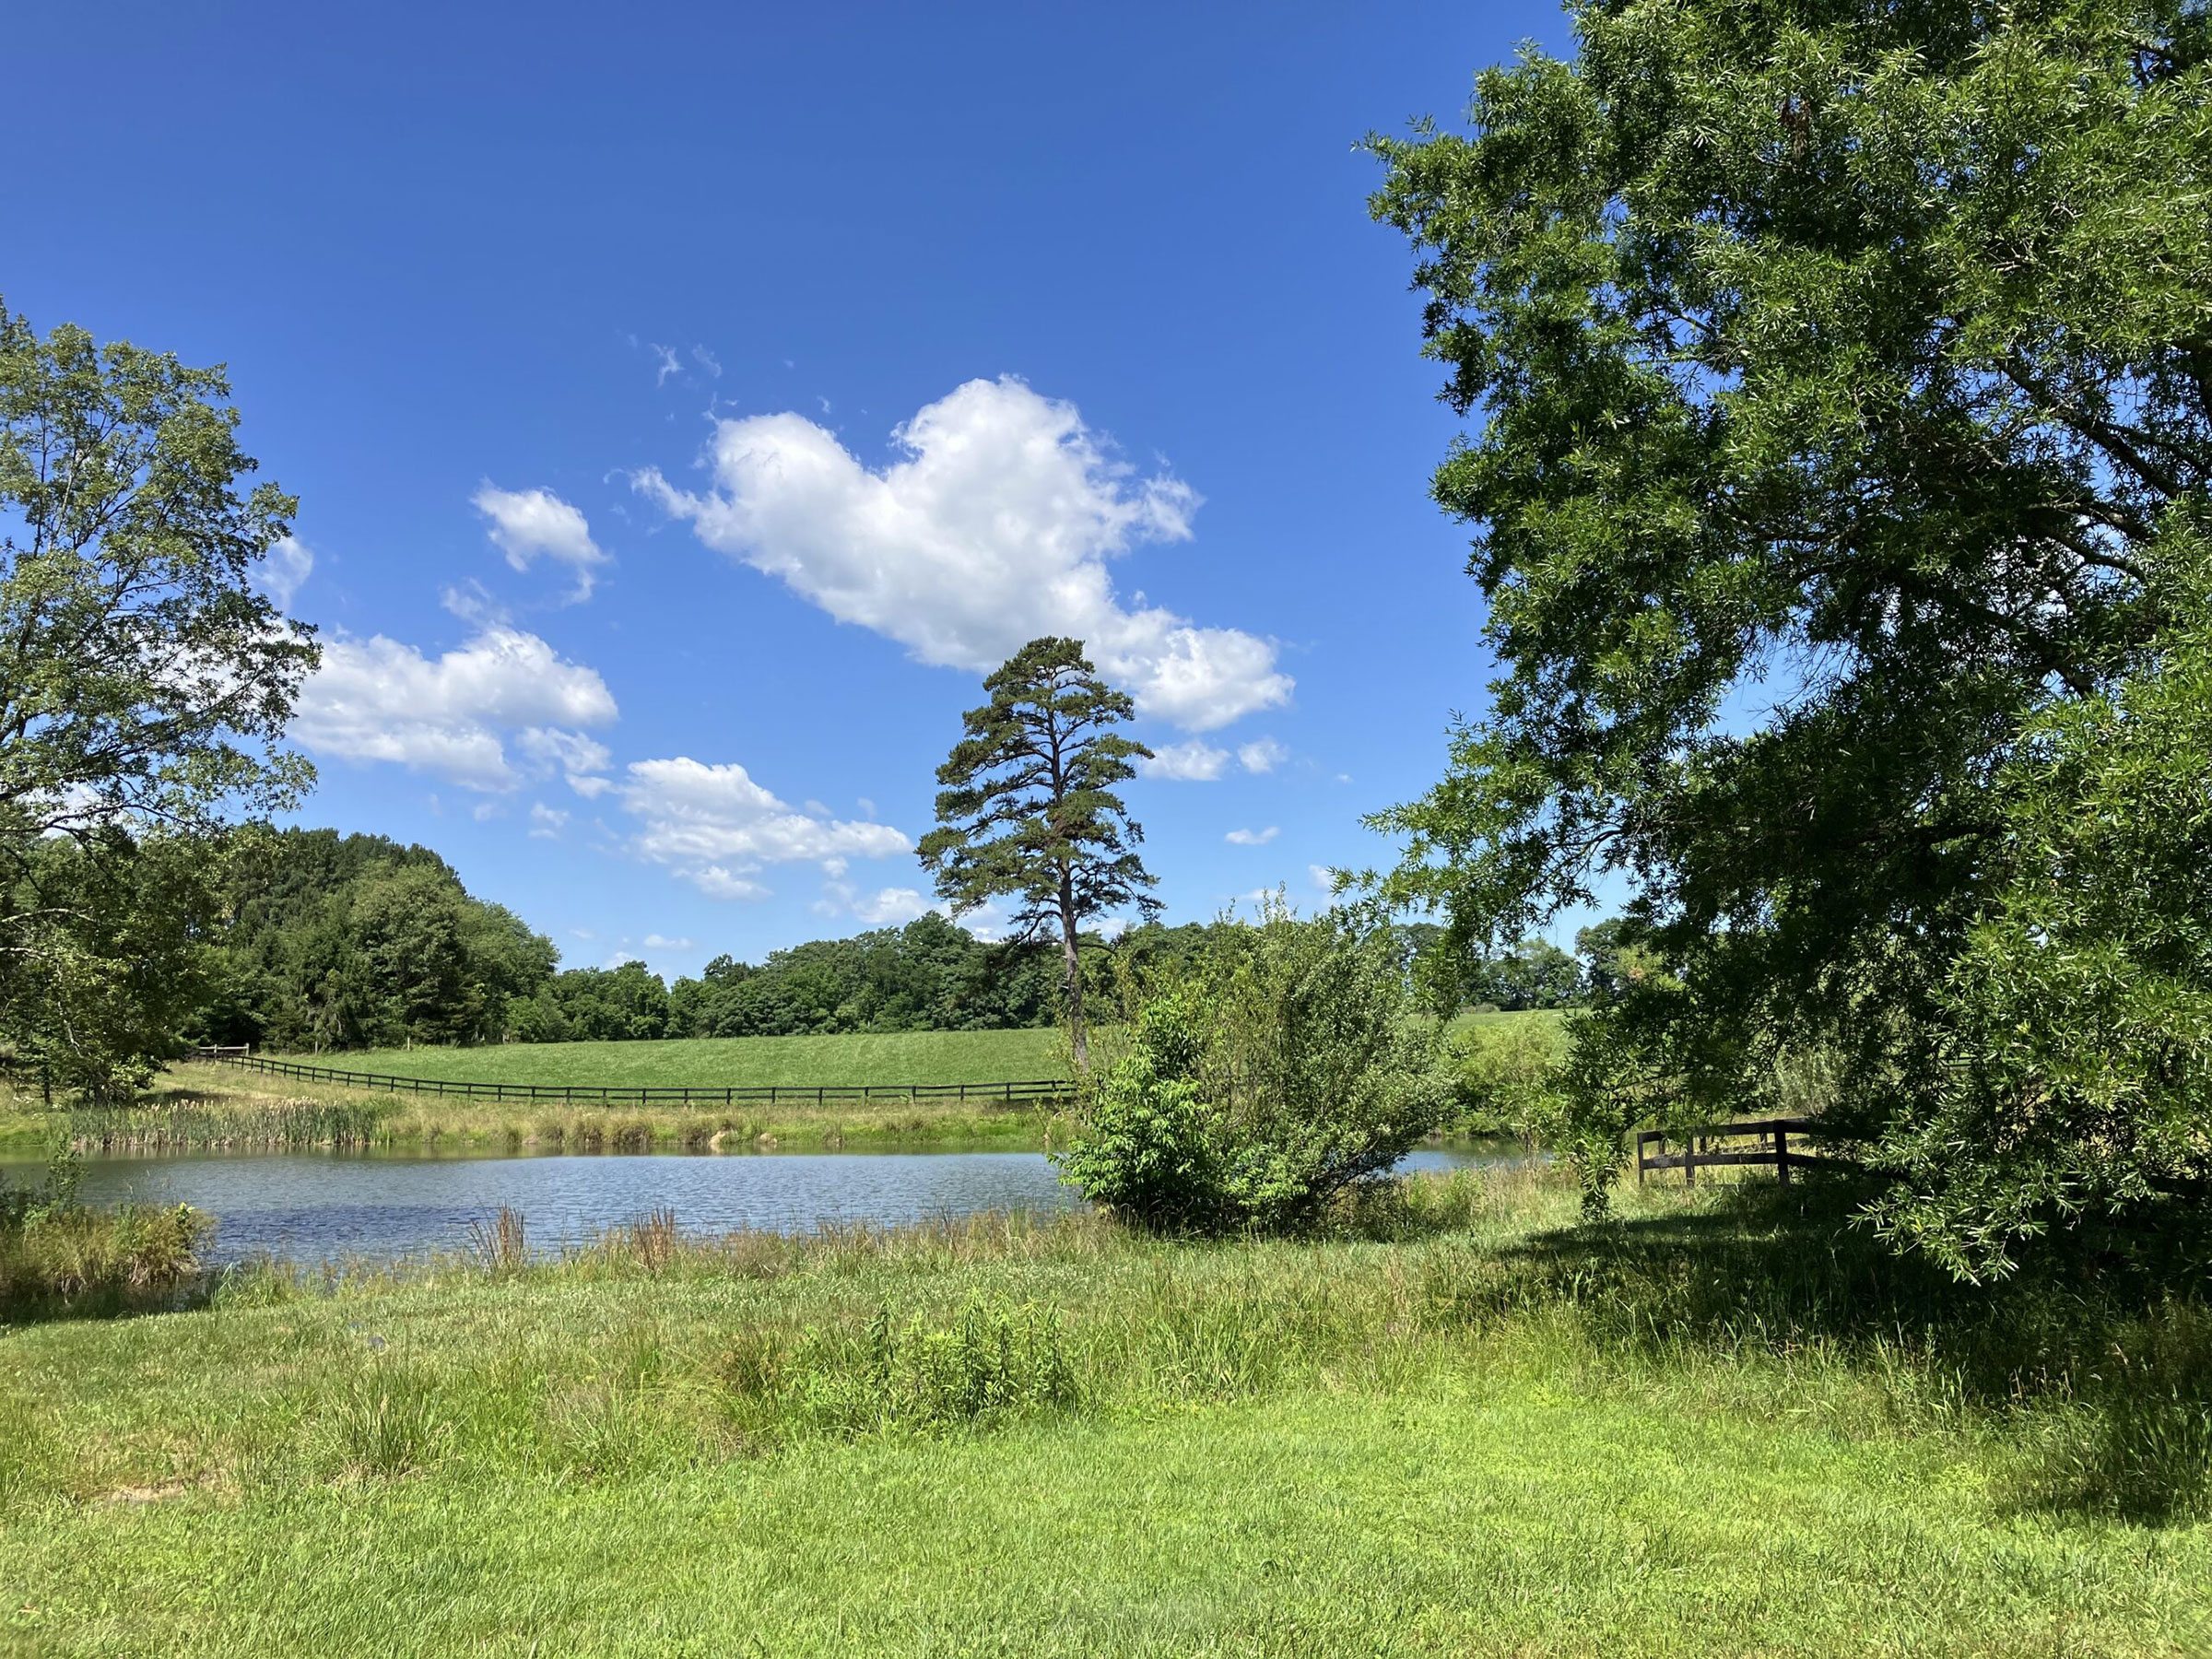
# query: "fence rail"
1036,1092
1715,1145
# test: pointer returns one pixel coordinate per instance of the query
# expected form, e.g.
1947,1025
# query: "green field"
721,1061
1722,1427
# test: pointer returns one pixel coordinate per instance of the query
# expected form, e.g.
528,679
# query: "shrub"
1287,1064
1505,1076
1147,1145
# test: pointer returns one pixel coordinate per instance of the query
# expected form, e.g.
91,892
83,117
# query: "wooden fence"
1038,1092
1765,1142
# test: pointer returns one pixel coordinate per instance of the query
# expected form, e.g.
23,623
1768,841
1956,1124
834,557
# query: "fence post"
1640,1134
1782,1155
1689,1160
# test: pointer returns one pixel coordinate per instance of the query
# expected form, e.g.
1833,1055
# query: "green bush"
1287,1064
1505,1076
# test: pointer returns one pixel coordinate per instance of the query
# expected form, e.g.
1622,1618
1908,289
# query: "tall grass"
80,1262
220,1122
203,1106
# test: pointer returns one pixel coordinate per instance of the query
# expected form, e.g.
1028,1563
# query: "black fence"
1765,1142
1046,1091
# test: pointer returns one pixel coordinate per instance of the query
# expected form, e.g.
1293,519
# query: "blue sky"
686,403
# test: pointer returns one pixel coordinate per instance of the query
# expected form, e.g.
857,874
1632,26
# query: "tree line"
328,941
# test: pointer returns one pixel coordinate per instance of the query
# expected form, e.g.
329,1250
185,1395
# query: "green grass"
799,1062
1724,1425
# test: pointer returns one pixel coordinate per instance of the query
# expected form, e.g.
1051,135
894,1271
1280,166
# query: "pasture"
745,1062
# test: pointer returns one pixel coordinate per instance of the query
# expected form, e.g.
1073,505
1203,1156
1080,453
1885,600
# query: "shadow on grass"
2100,1348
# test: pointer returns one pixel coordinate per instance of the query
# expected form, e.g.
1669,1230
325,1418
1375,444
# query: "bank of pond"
1454,1421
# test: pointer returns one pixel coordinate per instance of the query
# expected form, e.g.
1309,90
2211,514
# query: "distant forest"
338,941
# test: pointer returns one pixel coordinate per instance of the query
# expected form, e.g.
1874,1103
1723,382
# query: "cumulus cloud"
890,905
574,756
1322,876
545,823
654,941
285,569
1261,755
1252,838
379,700
715,827
1197,761
995,526
886,907
718,883
528,523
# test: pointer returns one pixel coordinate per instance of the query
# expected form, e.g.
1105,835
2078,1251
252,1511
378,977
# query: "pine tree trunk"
1077,1036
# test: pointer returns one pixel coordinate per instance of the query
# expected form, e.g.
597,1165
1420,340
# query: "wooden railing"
1764,1142
1044,1091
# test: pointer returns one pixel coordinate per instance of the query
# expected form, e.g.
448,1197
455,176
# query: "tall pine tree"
1029,812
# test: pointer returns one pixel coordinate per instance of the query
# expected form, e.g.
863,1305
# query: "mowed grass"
1468,1427
721,1061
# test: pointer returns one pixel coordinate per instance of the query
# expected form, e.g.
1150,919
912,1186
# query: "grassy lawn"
801,1062
1476,1428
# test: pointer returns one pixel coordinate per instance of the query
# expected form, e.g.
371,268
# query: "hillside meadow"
1462,1423
930,1057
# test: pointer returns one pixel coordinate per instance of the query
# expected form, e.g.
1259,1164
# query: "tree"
142,678
332,941
1846,389
1029,812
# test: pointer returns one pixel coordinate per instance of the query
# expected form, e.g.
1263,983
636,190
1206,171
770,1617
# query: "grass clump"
58,1257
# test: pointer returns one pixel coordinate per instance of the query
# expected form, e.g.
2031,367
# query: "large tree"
1028,810
1844,374
142,680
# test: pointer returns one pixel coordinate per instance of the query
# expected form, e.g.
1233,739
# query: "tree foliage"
1028,810
1845,376
354,941
1289,1064
142,681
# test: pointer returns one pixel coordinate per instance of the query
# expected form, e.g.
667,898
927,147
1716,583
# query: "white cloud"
707,361
668,365
996,526
718,883
574,756
285,571
891,906
1261,755
1197,761
545,823
1324,878
526,522
656,942
714,827
377,699
1252,838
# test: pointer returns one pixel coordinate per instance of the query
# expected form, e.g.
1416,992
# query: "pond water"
312,1206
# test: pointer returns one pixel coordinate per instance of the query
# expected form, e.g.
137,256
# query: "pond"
312,1206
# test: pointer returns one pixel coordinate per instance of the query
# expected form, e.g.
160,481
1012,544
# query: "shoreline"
198,1108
